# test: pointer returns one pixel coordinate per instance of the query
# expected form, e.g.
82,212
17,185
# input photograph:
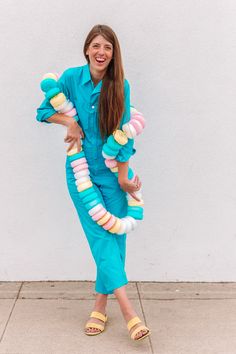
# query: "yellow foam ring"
50,76
58,100
120,137
84,186
73,151
104,219
133,202
116,227
114,169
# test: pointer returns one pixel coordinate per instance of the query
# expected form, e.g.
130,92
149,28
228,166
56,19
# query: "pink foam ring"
82,160
80,168
137,125
95,209
139,118
82,173
109,223
71,113
111,163
74,163
129,130
65,107
99,214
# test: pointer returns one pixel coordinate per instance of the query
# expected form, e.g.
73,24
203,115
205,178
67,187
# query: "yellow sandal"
132,323
99,326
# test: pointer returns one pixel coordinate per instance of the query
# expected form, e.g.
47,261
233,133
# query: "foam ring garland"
111,148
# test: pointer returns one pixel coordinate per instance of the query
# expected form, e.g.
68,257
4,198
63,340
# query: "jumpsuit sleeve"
127,150
46,110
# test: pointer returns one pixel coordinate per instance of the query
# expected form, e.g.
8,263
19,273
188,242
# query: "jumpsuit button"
92,107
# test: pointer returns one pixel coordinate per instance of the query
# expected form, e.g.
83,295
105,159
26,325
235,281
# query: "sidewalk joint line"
9,317
145,321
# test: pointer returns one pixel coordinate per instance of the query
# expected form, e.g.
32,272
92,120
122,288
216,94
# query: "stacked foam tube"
111,148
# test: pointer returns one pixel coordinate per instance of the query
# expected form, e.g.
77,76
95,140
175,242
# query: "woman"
101,96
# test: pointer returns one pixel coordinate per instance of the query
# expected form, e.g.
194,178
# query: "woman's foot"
95,320
140,333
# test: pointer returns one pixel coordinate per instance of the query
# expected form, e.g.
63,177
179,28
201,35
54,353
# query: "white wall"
179,57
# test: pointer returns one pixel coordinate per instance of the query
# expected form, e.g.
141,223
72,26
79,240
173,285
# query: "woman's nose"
101,50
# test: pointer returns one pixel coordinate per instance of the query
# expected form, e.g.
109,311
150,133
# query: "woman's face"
100,53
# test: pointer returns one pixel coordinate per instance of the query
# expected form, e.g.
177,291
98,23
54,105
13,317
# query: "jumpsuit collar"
87,78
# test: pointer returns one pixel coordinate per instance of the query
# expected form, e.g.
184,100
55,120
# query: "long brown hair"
111,100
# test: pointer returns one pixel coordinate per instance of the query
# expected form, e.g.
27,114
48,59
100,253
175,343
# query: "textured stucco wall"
179,57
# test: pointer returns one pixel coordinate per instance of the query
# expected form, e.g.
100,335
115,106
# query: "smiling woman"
101,96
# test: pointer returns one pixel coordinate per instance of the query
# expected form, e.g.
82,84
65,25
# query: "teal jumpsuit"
108,249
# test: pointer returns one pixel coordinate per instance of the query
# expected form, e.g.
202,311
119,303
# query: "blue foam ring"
86,192
135,208
116,174
76,156
53,92
130,173
112,143
109,151
90,197
135,214
48,84
92,204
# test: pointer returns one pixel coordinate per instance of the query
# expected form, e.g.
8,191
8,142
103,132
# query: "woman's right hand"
74,134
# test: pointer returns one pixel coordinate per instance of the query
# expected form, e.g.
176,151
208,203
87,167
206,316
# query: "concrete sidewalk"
184,318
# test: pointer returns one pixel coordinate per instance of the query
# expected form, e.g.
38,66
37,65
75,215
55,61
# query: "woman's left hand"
131,187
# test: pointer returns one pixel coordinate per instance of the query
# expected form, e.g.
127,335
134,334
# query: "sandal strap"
133,322
94,325
98,315
138,329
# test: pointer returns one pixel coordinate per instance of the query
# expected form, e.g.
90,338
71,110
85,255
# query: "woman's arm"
125,183
74,131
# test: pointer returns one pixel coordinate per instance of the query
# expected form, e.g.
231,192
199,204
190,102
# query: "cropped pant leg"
108,249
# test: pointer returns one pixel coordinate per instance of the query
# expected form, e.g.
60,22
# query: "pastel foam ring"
95,209
74,160
82,180
54,76
84,186
58,100
111,163
90,197
120,137
79,168
65,107
115,228
140,118
86,192
129,130
108,225
109,151
48,84
104,219
137,126
82,173
71,113
99,214
112,143
132,221
127,226
92,204
121,230
52,93
108,156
